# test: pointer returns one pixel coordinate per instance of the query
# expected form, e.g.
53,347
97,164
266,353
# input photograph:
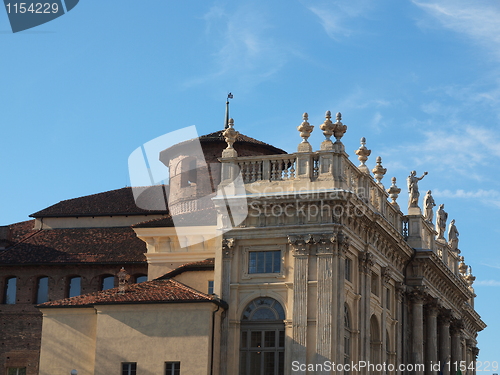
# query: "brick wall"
21,323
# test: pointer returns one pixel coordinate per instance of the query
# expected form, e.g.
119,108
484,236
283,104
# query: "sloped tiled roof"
196,218
203,265
155,291
72,245
111,203
218,137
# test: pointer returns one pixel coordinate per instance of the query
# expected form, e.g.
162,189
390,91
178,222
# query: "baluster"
292,169
247,172
273,170
254,166
316,167
285,169
259,170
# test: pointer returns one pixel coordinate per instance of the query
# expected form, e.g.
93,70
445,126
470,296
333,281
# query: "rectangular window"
264,261
348,266
42,290
9,297
16,371
375,282
210,287
129,368
172,368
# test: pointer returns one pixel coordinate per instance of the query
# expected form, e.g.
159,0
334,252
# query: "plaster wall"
68,341
153,335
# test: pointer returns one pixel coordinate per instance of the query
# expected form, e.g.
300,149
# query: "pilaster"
324,316
300,251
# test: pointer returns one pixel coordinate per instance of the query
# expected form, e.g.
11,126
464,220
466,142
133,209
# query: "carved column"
417,303
386,278
324,314
365,265
431,340
444,342
227,256
300,250
475,353
400,291
342,247
456,346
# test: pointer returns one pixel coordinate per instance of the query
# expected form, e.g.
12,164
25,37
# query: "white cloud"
477,20
487,283
334,15
245,49
460,150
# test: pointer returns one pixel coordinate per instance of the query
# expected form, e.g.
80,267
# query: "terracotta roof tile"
111,203
155,291
73,245
203,265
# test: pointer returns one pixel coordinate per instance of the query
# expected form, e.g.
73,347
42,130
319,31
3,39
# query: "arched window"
75,286
107,282
388,358
347,336
42,290
375,343
9,295
262,349
141,278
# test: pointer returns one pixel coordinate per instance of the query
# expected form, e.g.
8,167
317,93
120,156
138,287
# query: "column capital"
386,275
444,317
227,247
365,262
432,309
324,242
456,327
417,294
400,291
300,244
475,352
343,242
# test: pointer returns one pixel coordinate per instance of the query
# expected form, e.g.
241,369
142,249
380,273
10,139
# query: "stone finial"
469,278
123,277
305,130
394,192
363,154
340,128
462,267
328,127
230,137
379,172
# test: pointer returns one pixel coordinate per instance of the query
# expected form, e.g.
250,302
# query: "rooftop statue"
441,217
413,188
453,235
429,204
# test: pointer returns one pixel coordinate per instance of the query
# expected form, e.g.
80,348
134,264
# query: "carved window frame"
245,264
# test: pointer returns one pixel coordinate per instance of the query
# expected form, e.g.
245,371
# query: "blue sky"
419,79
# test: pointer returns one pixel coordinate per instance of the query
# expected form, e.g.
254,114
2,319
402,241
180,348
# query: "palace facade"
265,263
